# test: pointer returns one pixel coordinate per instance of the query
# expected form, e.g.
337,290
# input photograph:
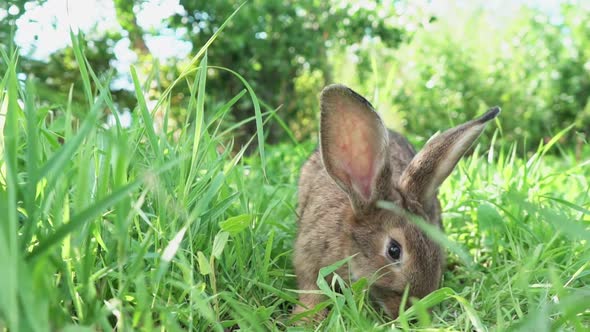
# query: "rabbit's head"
364,159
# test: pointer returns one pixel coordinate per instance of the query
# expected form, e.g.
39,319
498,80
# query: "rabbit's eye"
394,251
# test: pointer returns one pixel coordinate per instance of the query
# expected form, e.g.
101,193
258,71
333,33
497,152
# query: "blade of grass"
146,116
9,256
61,157
53,168
243,314
82,218
108,100
471,313
568,204
257,113
200,82
31,164
222,111
189,69
77,47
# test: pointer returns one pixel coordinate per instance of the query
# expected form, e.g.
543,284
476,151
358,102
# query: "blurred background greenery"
425,65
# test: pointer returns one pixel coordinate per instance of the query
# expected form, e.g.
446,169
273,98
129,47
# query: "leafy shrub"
537,68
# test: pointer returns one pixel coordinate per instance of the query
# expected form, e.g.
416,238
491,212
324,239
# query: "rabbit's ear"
353,143
431,166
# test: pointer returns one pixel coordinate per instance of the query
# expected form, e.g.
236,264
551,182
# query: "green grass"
135,229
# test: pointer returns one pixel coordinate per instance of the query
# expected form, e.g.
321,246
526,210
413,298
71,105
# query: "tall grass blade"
80,59
82,218
146,116
257,113
9,255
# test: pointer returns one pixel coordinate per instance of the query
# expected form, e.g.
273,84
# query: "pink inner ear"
356,151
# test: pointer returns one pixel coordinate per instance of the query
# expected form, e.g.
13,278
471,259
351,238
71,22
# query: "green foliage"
131,228
278,45
422,72
535,66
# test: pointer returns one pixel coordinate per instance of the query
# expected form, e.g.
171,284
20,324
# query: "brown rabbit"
359,163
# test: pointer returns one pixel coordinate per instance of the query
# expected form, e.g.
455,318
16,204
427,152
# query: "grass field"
136,229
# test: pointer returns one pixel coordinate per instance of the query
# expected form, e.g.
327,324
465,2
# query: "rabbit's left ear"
433,164
353,143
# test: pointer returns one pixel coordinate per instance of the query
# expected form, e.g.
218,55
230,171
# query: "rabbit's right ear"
353,143
431,166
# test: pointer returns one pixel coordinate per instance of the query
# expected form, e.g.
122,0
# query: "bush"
537,68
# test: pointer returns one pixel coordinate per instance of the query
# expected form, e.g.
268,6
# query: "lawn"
176,229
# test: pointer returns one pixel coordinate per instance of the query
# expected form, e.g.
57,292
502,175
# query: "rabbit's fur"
360,162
